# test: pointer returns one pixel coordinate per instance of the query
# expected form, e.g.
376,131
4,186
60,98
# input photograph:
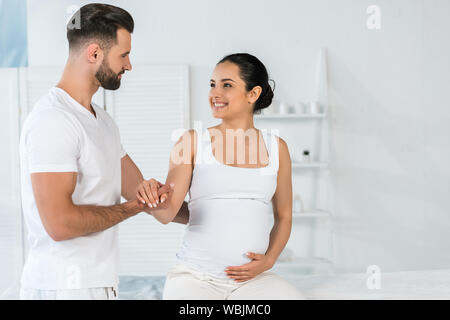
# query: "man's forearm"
170,215
131,178
182,215
86,219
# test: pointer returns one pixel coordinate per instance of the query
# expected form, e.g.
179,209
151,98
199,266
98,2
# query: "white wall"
11,245
388,100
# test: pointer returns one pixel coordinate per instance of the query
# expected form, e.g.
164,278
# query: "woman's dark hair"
100,22
253,73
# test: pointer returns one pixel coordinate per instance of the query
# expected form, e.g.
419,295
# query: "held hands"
154,194
259,264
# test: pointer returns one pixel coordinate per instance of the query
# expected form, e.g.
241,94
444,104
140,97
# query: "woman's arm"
179,175
279,236
282,206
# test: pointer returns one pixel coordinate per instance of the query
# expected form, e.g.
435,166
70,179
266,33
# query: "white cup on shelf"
314,107
283,108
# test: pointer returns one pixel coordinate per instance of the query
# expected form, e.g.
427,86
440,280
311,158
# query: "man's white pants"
74,294
184,283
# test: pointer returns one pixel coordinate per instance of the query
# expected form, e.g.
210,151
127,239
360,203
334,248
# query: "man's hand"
259,264
154,194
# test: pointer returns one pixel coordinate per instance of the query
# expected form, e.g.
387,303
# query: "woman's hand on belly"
259,264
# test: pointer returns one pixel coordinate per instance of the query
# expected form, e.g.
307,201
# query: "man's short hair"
99,22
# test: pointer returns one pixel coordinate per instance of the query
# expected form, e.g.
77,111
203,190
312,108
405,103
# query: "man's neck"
79,85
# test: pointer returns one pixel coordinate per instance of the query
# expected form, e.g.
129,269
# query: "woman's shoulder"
185,146
190,133
283,149
283,152
191,136
281,142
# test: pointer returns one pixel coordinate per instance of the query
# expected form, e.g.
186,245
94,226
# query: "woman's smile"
219,105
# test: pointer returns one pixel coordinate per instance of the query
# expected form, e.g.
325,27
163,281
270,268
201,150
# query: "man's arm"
64,220
182,215
131,178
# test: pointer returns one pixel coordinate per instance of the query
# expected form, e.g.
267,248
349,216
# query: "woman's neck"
235,124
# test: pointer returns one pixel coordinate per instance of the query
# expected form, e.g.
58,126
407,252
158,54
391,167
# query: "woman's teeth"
220,105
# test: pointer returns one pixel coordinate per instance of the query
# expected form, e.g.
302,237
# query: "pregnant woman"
230,242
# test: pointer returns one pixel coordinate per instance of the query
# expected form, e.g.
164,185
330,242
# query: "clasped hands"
153,194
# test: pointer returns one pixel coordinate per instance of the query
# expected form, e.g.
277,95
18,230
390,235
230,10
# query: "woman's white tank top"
230,209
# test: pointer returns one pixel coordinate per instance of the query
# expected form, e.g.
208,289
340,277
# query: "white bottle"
298,205
306,156
297,155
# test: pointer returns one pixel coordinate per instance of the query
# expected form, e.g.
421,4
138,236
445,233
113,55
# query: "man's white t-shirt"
60,135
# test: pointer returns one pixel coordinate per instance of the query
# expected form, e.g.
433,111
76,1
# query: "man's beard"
107,78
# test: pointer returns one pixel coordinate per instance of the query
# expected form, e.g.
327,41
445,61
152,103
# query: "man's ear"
254,94
94,53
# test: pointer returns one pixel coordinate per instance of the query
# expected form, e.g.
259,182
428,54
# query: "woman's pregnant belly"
222,231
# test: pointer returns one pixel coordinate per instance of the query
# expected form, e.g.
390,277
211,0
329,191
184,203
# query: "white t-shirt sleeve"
123,153
52,143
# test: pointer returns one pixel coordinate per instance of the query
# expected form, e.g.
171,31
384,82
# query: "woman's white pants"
185,283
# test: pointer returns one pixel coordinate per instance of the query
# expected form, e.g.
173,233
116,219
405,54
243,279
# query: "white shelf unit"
314,264
311,214
292,116
311,165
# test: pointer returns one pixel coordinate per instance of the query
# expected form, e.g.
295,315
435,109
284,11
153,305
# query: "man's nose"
128,66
